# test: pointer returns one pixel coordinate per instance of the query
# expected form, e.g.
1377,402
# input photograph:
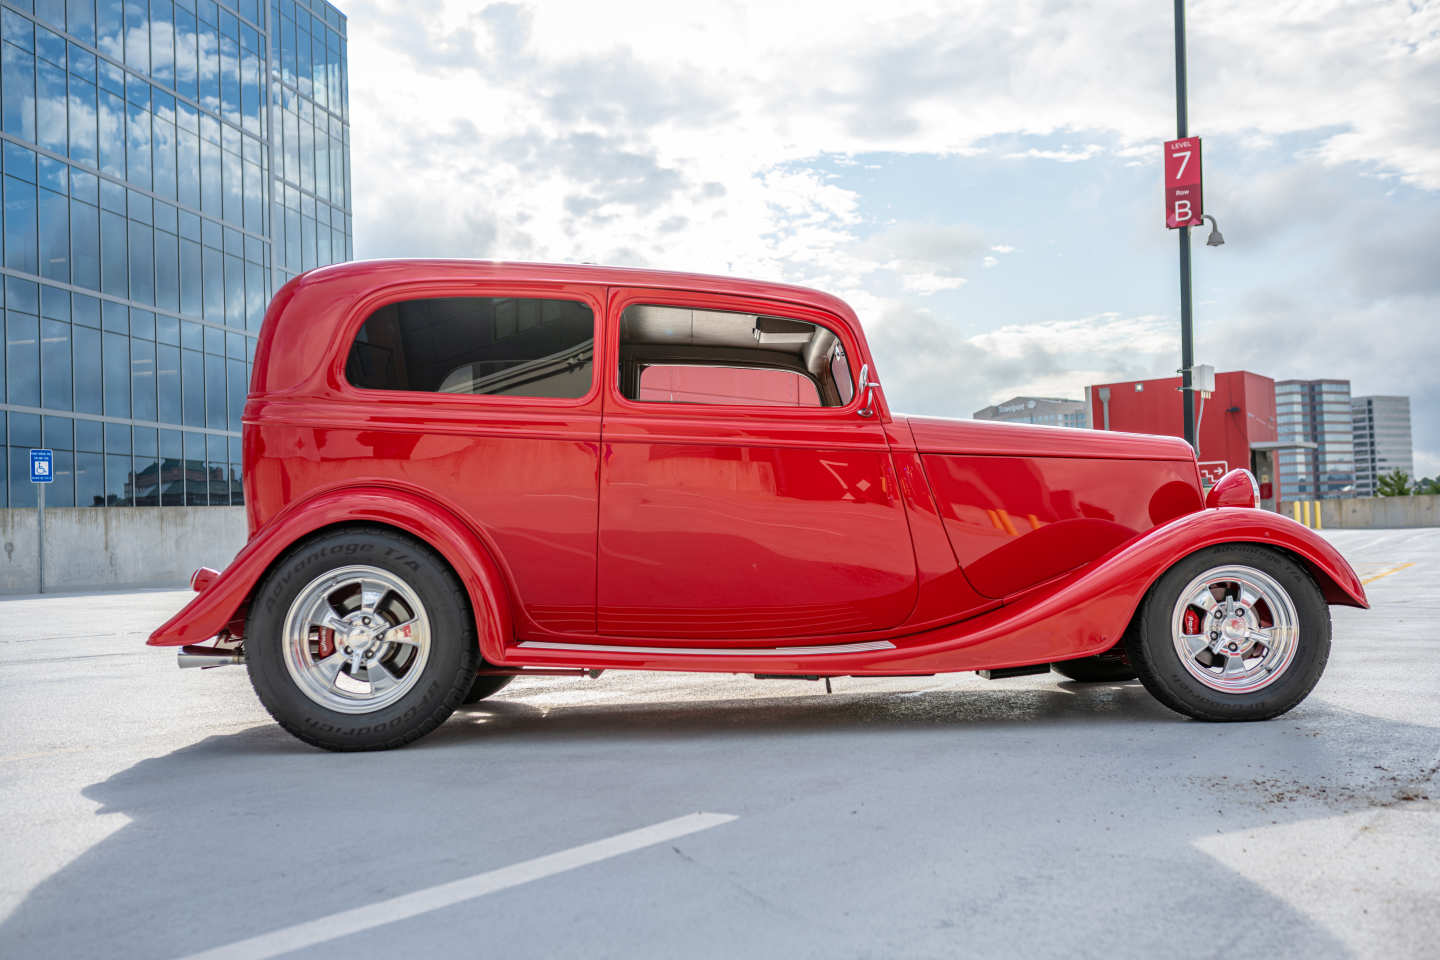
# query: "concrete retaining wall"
93,548
1377,513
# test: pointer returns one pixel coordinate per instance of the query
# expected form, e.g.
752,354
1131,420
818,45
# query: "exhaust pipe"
204,657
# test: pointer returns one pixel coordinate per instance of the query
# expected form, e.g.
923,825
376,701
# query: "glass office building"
1315,412
166,167
1382,440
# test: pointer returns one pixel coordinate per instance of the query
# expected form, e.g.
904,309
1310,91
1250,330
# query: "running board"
1003,672
834,649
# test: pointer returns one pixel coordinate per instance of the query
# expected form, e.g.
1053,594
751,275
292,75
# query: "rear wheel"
1235,632
361,640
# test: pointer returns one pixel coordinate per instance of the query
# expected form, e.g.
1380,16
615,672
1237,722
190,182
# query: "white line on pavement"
408,905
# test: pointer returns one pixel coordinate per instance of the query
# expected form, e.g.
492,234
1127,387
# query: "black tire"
447,673
1104,668
1152,649
486,687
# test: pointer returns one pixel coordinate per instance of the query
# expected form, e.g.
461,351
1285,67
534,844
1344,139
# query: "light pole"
1187,334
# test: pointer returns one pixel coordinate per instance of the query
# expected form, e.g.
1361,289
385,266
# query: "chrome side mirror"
867,387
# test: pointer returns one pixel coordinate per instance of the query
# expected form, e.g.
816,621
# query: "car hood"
993,438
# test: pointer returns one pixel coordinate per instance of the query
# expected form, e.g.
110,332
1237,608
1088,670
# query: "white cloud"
1063,155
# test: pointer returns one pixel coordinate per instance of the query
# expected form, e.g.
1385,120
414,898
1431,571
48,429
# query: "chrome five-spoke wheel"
356,639
1235,629
361,639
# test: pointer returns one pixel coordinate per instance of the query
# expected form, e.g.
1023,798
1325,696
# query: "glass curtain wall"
164,168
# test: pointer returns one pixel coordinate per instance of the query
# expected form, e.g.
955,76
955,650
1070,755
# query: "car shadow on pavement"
1044,818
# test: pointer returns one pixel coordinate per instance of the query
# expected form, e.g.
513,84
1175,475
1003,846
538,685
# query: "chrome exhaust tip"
203,658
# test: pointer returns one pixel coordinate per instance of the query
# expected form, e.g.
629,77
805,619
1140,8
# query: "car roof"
419,269
304,314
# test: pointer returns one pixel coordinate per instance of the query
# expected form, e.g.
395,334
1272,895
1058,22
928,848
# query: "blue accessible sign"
42,466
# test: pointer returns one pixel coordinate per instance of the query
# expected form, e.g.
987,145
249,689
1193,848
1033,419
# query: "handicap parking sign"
42,466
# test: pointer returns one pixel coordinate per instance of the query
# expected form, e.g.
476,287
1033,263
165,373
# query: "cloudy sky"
981,181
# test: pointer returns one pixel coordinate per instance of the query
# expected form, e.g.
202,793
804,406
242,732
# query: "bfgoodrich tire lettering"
425,586
1255,591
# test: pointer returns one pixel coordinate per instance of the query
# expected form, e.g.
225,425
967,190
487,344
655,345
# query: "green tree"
1428,485
1396,483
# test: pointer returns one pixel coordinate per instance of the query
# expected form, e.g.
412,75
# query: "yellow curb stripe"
1388,572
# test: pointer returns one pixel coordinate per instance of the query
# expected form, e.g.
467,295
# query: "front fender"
1207,528
213,609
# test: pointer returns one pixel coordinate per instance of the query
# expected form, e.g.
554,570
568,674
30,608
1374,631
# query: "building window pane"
55,364
214,286
84,245
215,392
119,480
89,480
142,263
112,134
142,379
21,237
237,391
190,274
17,77
52,105
167,382
192,379
137,150
61,493
54,211
22,360
117,375
114,268
172,469
87,369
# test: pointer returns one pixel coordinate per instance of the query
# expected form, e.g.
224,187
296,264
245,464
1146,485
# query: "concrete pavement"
146,812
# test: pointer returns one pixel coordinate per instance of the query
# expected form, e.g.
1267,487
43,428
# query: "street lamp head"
1215,239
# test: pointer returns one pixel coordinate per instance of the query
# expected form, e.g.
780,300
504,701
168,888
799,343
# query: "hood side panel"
991,438
1017,521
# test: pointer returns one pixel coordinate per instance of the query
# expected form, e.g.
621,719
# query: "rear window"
508,346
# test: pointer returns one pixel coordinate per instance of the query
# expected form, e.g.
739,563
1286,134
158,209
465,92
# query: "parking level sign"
42,466
1184,201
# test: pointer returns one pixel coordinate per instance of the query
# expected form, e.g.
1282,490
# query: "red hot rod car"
458,472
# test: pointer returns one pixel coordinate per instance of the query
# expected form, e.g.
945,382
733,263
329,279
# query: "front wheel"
1234,632
361,640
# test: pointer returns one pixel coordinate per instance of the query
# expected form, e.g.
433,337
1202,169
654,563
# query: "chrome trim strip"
836,648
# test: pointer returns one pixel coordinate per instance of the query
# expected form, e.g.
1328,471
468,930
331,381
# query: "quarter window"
507,346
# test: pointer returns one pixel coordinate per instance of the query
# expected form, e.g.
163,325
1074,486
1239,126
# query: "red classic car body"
600,532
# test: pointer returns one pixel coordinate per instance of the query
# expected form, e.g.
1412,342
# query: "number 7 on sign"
1184,156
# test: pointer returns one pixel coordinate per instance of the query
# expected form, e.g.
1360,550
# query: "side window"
508,346
683,355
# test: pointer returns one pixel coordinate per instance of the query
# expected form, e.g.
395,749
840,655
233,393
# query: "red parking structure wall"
1239,414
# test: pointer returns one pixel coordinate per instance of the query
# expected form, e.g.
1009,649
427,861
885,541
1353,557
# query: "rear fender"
213,610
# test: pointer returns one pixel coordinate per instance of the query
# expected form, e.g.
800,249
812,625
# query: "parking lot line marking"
443,895
1387,572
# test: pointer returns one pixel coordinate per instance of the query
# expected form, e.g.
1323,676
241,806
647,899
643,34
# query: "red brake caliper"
327,642
1192,622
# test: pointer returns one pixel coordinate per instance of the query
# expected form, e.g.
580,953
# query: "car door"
732,507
